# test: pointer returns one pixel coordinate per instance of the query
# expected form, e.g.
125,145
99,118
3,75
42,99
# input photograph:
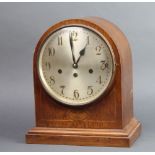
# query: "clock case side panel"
125,56
37,89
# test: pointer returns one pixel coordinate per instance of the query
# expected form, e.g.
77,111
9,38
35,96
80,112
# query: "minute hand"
82,53
72,47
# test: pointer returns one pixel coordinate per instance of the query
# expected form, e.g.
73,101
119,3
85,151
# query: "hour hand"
72,46
82,53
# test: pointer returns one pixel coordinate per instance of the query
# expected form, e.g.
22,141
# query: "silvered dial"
76,65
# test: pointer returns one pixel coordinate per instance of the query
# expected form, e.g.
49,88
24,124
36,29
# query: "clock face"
76,65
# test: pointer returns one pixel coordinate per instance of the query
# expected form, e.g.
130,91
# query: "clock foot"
86,137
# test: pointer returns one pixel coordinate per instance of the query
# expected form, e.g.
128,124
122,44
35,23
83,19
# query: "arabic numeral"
76,94
89,90
60,41
51,51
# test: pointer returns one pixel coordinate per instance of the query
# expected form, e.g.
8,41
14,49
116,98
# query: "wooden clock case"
109,121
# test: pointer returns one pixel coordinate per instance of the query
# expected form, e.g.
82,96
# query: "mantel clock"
83,85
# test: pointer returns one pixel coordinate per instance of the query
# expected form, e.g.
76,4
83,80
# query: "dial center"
75,65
